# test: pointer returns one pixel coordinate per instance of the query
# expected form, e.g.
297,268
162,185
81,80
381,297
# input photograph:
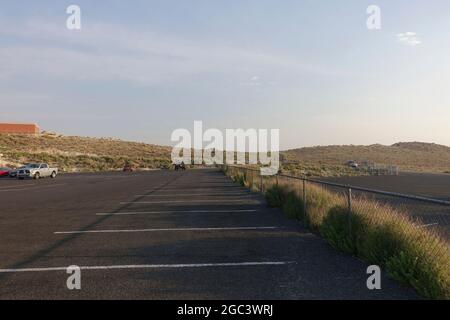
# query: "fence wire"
427,213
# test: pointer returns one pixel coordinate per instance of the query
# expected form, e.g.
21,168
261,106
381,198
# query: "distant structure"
19,128
376,169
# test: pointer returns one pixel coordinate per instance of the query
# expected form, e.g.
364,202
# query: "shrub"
240,179
293,206
426,271
275,196
381,241
319,202
335,228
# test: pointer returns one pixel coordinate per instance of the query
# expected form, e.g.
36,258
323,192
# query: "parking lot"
165,235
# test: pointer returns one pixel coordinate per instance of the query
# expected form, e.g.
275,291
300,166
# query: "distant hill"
409,156
81,153
71,153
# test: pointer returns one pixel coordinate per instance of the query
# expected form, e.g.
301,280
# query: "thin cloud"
107,52
254,81
409,38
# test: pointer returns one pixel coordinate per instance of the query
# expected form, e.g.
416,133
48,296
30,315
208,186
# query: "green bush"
240,179
281,197
424,274
293,206
275,196
319,203
381,242
335,228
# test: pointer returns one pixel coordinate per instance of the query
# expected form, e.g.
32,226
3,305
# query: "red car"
4,172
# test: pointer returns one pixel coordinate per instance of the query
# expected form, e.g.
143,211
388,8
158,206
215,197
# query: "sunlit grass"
376,232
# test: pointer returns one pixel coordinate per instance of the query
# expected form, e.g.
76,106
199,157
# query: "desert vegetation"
319,170
409,156
72,154
376,232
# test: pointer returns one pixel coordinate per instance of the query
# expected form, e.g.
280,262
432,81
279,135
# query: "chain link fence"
408,235
428,213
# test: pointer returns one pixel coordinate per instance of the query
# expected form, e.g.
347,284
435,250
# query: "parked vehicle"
352,163
128,168
179,166
13,173
4,172
37,171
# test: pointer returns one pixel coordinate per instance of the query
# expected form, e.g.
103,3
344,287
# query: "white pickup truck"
37,171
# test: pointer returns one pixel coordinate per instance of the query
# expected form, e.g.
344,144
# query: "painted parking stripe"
230,188
195,195
201,192
172,211
155,266
34,188
429,225
192,201
17,186
166,229
9,190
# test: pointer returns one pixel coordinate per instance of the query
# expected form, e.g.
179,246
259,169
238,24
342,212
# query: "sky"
137,70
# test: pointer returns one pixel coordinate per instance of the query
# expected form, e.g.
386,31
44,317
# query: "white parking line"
195,195
154,266
166,229
192,201
172,211
17,186
429,225
9,190
238,189
36,187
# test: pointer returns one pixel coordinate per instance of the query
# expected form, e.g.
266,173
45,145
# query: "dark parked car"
13,173
128,168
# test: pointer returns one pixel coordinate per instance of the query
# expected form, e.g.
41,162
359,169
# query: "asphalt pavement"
165,235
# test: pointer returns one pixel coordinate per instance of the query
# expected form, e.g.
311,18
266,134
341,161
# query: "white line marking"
18,186
154,266
172,211
205,184
428,225
8,190
190,201
166,229
237,189
195,195
36,187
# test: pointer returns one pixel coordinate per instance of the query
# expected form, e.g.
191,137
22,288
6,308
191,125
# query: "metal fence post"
349,199
304,200
247,178
253,179
261,182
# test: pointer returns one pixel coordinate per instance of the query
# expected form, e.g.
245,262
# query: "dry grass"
376,232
